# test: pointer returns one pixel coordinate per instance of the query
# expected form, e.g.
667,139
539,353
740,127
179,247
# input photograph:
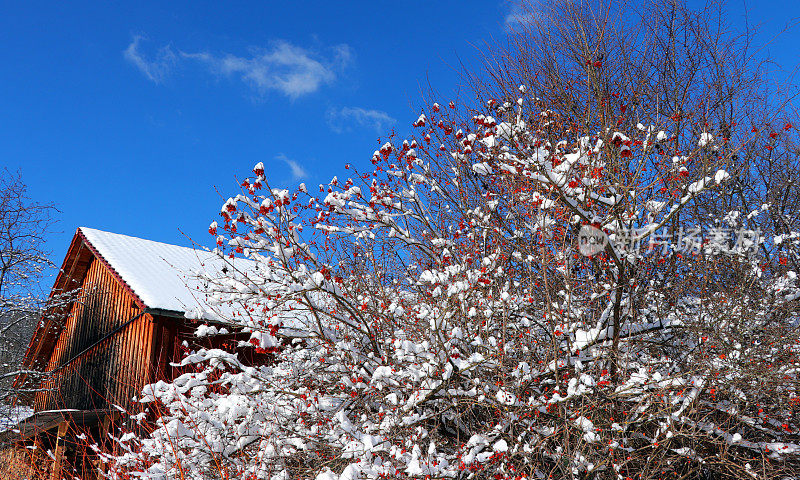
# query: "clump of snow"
705,139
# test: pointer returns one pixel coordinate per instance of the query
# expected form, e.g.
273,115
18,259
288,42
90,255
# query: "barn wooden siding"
105,346
104,353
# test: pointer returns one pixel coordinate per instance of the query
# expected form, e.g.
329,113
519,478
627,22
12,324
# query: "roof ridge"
106,232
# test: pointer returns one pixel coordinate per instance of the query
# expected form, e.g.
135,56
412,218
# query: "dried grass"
21,464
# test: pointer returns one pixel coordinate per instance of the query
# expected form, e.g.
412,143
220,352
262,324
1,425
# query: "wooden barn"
125,326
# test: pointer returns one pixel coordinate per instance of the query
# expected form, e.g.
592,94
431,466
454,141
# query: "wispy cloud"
519,16
298,172
282,67
343,119
156,68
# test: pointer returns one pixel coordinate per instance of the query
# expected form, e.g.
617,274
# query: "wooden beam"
105,427
58,462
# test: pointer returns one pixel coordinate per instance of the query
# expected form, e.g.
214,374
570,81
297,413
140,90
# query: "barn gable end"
127,323
124,327
102,355
101,348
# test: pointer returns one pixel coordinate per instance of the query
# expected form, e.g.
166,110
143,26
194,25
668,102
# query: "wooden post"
106,425
38,445
37,453
59,453
105,429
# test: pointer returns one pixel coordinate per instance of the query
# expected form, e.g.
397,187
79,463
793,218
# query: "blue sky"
129,117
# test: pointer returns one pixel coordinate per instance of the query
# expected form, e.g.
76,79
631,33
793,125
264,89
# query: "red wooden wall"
108,345
101,357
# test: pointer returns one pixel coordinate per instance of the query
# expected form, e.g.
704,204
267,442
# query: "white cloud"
283,67
343,119
298,172
520,15
154,69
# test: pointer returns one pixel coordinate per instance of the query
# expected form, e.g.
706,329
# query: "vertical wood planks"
110,372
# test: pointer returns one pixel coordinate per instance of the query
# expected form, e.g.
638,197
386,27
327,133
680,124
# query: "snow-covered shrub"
443,316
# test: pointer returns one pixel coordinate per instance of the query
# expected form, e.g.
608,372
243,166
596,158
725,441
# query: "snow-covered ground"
11,416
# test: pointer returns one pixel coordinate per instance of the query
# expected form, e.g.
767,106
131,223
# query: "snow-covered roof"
160,274
167,277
